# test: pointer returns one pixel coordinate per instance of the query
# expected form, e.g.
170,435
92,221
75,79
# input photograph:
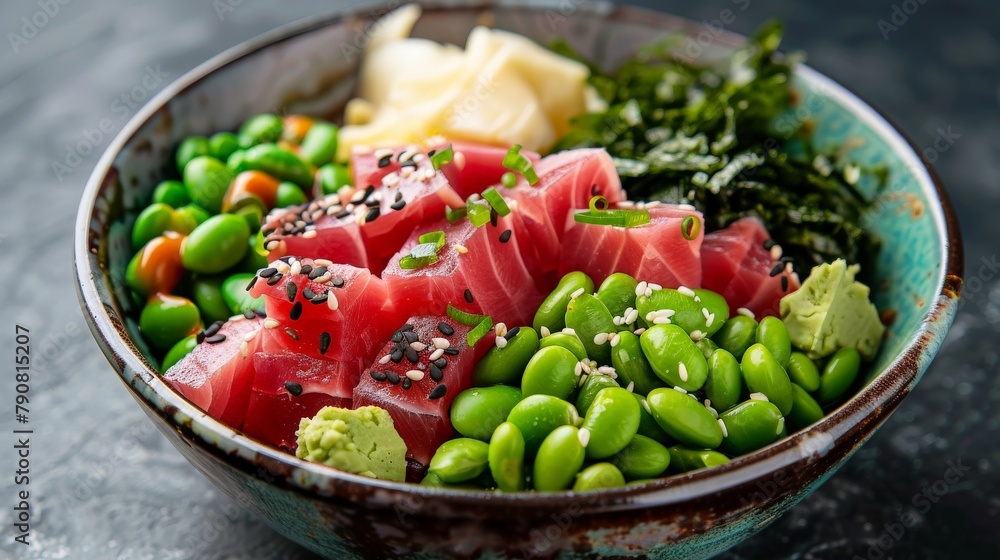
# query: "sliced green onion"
598,204
435,237
410,262
481,330
464,317
442,157
456,214
508,180
690,227
521,164
617,218
496,201
479,213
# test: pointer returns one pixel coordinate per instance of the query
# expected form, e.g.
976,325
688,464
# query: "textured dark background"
105,484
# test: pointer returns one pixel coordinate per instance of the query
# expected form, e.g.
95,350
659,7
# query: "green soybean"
589,318
476,412
700,310
684,418
805,410
802,371
838,375
707,347
320,144
588,391
151,223
683,459
188,217
631,365
736,335
332,177
190,148
459,460
537,415
222,145
763,374
674,357
551,313
236,296
598,476
559,459
289,194
207,180
617,293
725,381
479,483
647,424
215,245
261,128
751,425
642,458
771,332
612,420
178,351
506,457
570,342
207,293
505,365
551,371
275,161
166,319
172,193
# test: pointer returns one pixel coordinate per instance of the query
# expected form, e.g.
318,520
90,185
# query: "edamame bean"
178,351
683,459
505,365
570,342
736,335
333,177
188,217
642,458
151,223
805,410
216,245
763,374
552,312
157,266
559,459
612,420
222,145
771,332
506,457
551,371
598,476
477,412
749,426
590,319
631,365
261,128
588,391
236,296
320,144
674,357
707,347
166,319
802,371
207,180
289,194
434,481
537,415
725,382
459,460
617,293
684,418
705,311
647,424
207,294
838,375
172,193
275,161
190,148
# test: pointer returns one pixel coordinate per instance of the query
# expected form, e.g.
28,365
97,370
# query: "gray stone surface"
105,484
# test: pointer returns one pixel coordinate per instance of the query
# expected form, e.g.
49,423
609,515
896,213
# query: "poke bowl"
312,68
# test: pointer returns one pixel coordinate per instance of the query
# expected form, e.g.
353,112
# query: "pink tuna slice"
736,265
337,235
477,167
493,272
420,412
218,377
656,252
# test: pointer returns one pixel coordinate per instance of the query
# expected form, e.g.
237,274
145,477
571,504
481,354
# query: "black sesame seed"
369,190
378,376
399,196
784,283
468,296
440,362
342,214
371,203
411,354
494,217
306,269
769,243
777,269
373,215
286,259
438,392
396,336
385,161
786,259
212,329
337,282
398,205
396,356
291,290
215,338
595,190
407,383
268,272
321,298
512,333
505,236
406,327
445,329
451,351
262,314
200,337
317,272
274,279
435,372
296,311
324,342
292,333
293,388
249,314
431,153
308,294
411,336
252,282
393,377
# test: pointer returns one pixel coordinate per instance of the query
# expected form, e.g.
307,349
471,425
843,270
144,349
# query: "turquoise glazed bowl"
310,67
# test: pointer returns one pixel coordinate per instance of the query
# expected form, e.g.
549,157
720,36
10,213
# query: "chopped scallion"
617,218
496,201
442,157
481,330
479,212
464,317
515,161
435,237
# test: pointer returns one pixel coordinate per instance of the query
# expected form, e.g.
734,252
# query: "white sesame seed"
382,152
631,316
613,339
788,268
653,286
607,370
704,312
237,318
617,320
501,329
436,354
577,293
725,432
584,436
281,267
687,207
323,279
640,289
645,405
461,249
418,346
295,269
406,172
384,359
626,204
250,335
710,320
501,342
408,154
244,349
441,343
578,369
686,291
310,234
332,302
569,331
697,335
630,387
661,321
682,371
418,158
651,316
391,180
600,338
681,390
746,312
653,204
544,331
583,379
322,262
649,292
271,324
640,331
666,312
415,374
759,397
776,252
780,426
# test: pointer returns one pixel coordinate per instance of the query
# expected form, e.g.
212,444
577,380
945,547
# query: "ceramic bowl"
310,67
